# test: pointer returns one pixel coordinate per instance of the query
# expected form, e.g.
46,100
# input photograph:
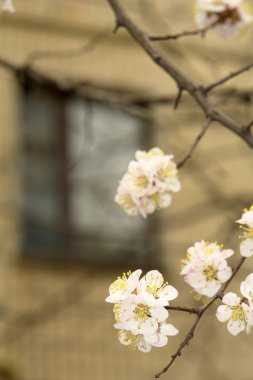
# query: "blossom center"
141,181
142,312
230,15
210,273
238,313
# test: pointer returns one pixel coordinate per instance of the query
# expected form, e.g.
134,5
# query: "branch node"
247,127
178,98
118,25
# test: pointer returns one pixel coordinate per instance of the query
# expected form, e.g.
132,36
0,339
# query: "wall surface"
54,323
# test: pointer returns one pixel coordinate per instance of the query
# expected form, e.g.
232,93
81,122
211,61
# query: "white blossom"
7,5
230,15
123,286
246,288
140,314
139,309
205,268
148,184
153,283
246,221
237,314
145,343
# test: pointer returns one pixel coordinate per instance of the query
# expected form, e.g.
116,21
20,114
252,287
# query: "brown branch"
66,53
200,313
228,77
197,92
190,310
195,144
186,33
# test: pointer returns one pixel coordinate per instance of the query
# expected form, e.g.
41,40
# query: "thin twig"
67,53
200,313
178,98
198,93
195,144
228,77
190,310
201,32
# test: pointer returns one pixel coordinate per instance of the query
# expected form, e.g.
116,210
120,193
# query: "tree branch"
184,83
190,310
195,144
200,313
228,77
186,33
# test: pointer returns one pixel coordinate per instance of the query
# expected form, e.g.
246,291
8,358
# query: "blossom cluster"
205,267
148,184
7,5
237,311
139,309
246,221
227,15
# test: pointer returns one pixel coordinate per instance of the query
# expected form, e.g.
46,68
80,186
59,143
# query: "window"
74,152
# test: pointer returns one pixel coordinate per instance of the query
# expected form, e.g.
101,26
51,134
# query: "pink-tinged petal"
196,279
224,274
174,185
227,253
164,200
211,288
159,313
223,313
186,268
235,327
246,247
162,341
248,313
168,329
244,289
133,280
168,293
154,279
249,280
231,299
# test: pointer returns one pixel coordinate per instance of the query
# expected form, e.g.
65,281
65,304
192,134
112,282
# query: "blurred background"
70,122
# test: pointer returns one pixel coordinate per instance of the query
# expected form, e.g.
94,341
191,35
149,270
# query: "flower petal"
159,313
246,247
223,313
235,327
168,293
154,279
231,299
168,329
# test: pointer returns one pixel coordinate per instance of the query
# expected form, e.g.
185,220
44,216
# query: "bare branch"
197,92
228,77
190,310
201,32
67,53
178,98
200,312
195,144
248,127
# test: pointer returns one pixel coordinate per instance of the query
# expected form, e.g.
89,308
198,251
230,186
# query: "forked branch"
197,92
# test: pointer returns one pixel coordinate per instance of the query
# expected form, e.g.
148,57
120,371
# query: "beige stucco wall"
69,334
